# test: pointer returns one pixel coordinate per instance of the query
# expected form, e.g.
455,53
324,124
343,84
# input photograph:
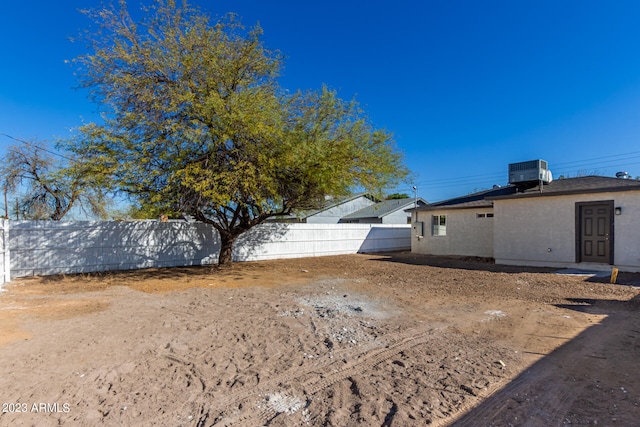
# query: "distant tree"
44,187
195,122
396,196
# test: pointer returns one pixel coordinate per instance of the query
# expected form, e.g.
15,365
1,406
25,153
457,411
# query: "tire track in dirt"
229,411
367,361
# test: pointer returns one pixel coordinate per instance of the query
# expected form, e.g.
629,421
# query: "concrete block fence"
5,263
49,247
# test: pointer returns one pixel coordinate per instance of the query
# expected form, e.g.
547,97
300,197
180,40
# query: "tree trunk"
226,248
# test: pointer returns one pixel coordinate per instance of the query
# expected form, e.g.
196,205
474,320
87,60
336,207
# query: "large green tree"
194,121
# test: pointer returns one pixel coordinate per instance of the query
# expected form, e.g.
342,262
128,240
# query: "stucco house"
385,212
460,226
589,222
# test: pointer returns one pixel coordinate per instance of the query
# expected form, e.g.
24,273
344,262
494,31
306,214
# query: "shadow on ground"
488,264
460,263
596,370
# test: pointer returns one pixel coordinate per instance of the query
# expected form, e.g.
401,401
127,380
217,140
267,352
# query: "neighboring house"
332,211
385,212
587,222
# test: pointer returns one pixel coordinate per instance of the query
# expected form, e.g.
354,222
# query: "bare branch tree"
44,186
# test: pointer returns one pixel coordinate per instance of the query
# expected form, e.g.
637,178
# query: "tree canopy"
396,196
195,122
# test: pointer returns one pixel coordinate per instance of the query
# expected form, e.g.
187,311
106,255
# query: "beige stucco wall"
467,235
540,231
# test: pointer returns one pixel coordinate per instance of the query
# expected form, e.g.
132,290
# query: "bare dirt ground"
388,340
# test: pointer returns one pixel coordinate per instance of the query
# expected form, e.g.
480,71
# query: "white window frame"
438,225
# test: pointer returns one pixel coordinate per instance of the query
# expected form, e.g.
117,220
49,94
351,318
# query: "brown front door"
594,232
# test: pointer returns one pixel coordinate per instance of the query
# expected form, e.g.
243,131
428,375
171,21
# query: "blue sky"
466,86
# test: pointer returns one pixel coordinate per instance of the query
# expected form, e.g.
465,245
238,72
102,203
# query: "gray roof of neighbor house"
558,187
384,208
328,204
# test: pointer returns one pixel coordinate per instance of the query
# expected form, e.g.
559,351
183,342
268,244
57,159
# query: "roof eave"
451,207
564,193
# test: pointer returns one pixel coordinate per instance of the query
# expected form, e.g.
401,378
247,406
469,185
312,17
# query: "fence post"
4,251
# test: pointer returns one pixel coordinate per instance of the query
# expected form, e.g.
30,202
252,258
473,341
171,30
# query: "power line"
39,147
598,158
606,165
487,183
576,167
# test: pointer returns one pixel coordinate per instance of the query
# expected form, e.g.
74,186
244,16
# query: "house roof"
579,185
470,201
328,204
331,203
559,187
383,208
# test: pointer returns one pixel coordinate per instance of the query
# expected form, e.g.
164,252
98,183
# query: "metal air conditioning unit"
531,172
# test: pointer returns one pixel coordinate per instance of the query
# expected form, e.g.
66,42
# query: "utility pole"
415,196
415,200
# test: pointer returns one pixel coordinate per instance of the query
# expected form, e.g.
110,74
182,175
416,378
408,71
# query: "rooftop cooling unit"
531,172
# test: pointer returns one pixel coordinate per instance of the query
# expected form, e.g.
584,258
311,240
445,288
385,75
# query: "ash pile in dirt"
341,318
331,306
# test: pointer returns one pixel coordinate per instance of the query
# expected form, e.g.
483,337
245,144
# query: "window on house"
480,215
489,215
439,227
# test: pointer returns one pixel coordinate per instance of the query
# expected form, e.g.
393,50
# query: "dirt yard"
386,340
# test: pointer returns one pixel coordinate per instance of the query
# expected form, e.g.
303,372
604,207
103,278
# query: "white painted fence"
5,264
48,247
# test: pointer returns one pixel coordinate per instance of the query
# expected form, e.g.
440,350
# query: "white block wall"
276,241
5,263
48,247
